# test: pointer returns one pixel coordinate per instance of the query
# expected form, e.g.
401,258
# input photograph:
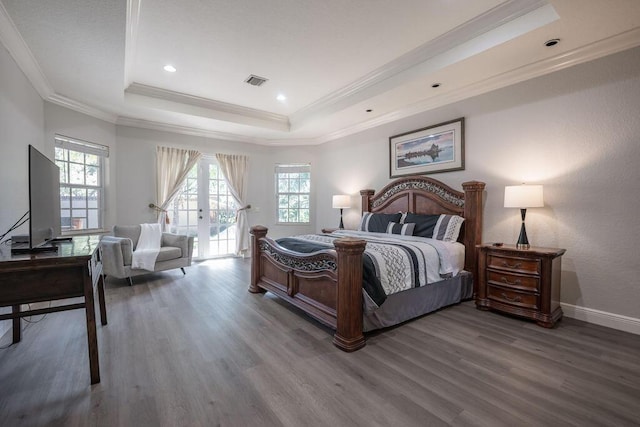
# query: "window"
293,187
81,166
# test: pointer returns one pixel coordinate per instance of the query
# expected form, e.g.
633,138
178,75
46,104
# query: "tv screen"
44,199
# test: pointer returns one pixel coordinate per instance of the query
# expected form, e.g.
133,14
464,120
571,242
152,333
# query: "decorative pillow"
424,224
402,229
448,228
377,222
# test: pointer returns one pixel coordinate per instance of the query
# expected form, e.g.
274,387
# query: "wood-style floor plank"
199,350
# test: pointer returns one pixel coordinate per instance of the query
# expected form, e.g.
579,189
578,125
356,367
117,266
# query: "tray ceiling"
332,59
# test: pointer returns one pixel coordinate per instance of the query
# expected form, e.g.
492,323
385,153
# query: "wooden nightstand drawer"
514,281
511,297
518,265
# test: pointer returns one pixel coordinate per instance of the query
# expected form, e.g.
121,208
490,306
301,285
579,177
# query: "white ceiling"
333,59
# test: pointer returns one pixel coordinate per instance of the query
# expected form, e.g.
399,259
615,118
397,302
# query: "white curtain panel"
235,169
172,167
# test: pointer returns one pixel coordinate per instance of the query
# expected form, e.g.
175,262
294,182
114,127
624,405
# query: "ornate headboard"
424,195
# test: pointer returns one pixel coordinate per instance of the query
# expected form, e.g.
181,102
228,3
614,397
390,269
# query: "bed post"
349,336
366,200
473,191
257,232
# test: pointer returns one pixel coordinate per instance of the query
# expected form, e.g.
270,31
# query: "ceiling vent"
255,80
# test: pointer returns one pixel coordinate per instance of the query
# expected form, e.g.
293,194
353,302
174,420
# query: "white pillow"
402,229
447,228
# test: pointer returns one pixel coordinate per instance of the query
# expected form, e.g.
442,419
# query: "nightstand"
522,282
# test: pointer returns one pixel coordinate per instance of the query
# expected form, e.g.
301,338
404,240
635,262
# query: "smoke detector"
255,80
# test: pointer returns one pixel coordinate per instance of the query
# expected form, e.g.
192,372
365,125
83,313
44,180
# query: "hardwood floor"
199,350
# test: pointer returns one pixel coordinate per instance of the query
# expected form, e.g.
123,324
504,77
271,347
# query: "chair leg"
183,272
130,281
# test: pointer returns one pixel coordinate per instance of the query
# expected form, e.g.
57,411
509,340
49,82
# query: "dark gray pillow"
424,224
377,222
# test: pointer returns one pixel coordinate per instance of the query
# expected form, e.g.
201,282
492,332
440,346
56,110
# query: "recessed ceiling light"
281,98
368,110
170,68
551,42
435,85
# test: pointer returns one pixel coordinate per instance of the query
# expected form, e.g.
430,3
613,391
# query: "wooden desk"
71,272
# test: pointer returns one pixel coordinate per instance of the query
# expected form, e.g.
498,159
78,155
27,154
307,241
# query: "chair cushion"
168,252
129,231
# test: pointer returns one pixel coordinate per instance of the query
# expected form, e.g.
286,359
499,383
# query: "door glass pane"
205,209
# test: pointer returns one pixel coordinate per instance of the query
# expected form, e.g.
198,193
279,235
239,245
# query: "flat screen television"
44,203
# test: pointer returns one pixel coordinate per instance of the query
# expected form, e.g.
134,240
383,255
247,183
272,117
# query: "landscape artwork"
438,148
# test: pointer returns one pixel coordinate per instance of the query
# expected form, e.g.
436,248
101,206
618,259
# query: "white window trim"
293,168
74,144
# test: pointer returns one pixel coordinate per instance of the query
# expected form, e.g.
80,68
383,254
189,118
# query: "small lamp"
341,201
523,197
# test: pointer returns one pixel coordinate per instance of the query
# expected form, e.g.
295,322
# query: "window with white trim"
81,166
293,194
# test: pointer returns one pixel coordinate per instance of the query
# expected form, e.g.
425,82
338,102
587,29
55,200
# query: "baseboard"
602,318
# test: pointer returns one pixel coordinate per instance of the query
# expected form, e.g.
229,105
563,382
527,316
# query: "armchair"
117,251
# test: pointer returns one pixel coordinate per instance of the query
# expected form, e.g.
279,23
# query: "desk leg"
17,331
92,336
101,302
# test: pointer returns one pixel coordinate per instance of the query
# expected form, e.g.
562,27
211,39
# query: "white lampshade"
341,201
523,196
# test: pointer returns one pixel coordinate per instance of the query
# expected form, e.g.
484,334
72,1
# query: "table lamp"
341,201
523,197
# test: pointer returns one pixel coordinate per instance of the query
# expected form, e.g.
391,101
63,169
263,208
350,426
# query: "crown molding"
453,46
185,130
599,49
82,108
223,136
618,43
155,97
18,49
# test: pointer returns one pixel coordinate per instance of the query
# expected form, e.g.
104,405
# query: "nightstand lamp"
523,197
341,201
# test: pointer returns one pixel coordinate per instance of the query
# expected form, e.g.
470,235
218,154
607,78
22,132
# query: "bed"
327,283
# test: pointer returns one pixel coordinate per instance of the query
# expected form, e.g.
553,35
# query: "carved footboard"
326,284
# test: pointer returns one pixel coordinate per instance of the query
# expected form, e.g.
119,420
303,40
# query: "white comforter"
447,259
435,259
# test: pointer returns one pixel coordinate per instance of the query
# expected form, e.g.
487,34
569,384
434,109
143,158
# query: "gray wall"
577,132
136,172
21,124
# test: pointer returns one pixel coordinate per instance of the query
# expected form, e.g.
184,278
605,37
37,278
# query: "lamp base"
523,242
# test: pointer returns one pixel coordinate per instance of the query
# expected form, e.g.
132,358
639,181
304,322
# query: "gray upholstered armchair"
117,250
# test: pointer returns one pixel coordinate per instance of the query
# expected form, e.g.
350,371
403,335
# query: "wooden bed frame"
327,284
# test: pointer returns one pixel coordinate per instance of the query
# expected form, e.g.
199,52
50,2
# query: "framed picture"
437,148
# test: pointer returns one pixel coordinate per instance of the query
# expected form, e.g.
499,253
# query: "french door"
205,209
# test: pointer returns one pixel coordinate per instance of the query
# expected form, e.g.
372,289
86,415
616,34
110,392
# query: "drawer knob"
516,265
516,282
508,298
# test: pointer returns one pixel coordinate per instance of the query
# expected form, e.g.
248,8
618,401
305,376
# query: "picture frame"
433,149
